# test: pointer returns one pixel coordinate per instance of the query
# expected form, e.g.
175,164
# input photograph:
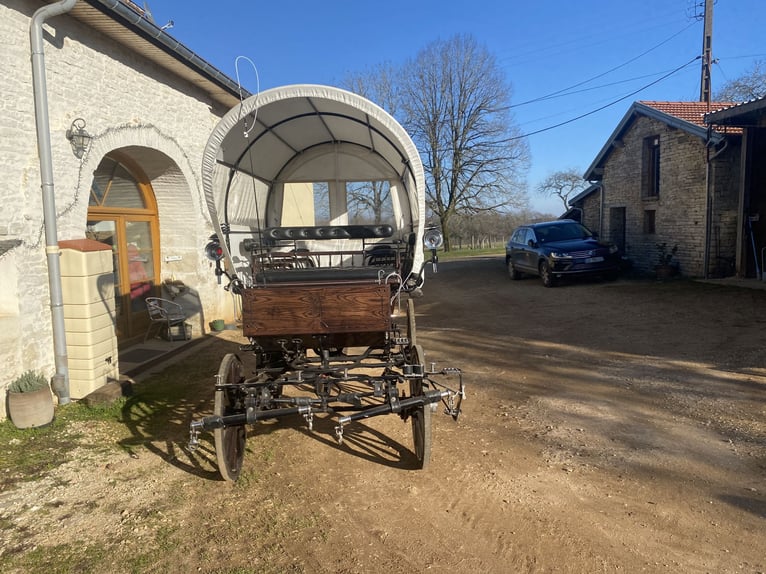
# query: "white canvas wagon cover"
306,133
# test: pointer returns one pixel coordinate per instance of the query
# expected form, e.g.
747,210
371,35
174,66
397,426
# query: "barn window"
650,174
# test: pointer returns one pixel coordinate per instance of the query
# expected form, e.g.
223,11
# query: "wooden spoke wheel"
421,417
229,441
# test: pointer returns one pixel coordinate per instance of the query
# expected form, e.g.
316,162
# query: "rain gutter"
171,45
60,381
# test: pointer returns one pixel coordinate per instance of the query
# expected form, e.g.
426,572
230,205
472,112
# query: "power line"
600,86
590,113
577,85
741,57
553,45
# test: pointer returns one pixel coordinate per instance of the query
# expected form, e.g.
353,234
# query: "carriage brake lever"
339,433
194,429
452,399
309,416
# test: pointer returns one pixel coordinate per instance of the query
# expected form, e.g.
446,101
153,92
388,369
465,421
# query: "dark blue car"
555,249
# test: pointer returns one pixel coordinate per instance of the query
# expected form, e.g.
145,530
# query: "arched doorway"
122,212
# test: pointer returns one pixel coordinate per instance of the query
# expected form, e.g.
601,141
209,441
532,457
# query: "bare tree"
378,85
749,86
455,105
369,202
564,184
454,102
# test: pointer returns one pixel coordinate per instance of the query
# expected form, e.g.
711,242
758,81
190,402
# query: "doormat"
140,355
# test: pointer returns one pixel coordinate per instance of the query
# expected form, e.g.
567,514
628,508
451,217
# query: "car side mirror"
532,243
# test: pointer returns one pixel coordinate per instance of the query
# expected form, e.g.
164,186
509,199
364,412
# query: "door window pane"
115,187
140,261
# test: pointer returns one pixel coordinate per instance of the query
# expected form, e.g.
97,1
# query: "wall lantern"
78,137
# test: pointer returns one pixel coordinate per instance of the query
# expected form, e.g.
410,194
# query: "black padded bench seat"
328,232
322,275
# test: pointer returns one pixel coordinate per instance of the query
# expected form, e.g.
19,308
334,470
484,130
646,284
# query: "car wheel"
515,275
546,275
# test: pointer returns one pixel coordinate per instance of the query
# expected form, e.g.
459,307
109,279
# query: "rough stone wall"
680,208
128,103
591,212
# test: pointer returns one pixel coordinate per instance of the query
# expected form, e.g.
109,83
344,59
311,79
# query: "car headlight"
560,255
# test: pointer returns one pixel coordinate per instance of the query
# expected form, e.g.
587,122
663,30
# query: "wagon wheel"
412,333
421,417
229,441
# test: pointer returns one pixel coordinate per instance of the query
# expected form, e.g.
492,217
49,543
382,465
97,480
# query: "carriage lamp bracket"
434,261
218,271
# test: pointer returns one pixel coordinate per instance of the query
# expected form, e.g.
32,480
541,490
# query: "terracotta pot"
665,271
29,410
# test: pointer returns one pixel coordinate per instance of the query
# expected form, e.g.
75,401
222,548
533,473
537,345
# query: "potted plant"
666,267
30,402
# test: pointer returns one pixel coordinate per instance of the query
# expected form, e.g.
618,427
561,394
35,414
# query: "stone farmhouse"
664,176
102,142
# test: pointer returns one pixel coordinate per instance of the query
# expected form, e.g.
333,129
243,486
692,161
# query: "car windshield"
562,232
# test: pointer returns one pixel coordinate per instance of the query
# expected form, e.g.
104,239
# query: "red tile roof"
692,112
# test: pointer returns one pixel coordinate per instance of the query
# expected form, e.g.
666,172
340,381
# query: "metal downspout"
710,199
708,210
601,209
60,382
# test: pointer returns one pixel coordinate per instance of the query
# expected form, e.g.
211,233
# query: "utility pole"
707,53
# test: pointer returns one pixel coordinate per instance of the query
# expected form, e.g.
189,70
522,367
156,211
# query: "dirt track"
609,427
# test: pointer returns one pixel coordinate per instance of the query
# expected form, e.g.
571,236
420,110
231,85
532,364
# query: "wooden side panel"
316,309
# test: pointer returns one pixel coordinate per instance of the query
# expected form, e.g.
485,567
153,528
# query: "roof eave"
585,193
738,115
124,25
595,170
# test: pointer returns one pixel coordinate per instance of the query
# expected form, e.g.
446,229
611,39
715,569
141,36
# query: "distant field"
458,253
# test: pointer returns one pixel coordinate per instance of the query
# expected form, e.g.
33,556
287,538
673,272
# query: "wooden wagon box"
287,310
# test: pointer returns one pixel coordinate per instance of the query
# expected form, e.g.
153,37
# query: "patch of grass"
159,409
81,412
59,559
27,454
460,253
163,405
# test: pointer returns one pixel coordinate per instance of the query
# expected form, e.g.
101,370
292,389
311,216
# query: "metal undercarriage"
292,380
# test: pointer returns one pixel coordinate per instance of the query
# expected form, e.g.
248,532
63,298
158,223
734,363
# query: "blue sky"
585,55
